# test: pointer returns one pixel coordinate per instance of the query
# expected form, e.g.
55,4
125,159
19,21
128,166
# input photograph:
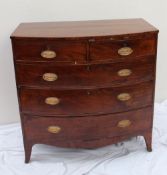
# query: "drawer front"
40,129
85,102
119,50
105,75
61,51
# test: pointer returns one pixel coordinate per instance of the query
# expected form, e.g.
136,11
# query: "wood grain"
85,76
66,51
100,50
86,128
83,29
87,85
85,102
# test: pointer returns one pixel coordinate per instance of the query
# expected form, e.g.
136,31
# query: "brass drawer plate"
124,123
124,72
54,129
52,100
50,77
124,97
48,54
125,51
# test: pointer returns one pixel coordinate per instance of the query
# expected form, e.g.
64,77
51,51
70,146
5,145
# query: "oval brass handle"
125,51
54,129
52,101
124,72
124,123
124,97
48,54
50,77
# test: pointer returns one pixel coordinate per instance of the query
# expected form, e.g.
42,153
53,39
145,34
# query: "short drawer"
79,76
119,50
51,102
49,50
42,129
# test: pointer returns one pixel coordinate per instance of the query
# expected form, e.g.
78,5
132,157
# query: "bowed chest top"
85,84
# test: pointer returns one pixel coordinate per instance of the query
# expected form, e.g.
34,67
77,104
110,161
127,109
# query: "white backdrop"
13,12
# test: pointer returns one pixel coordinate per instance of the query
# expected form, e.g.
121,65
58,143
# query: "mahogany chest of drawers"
85,84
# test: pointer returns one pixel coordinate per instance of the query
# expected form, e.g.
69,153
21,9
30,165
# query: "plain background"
13,12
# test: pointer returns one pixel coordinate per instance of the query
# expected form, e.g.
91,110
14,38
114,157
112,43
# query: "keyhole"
88,68
48,47
125,44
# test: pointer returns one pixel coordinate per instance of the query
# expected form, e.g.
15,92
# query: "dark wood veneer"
86,76
84,29
100,50
89,114
85,102
67,51
88,128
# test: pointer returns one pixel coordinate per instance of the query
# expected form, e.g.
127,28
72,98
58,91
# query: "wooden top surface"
76,29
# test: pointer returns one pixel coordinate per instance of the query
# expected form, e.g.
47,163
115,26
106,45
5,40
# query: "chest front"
85,84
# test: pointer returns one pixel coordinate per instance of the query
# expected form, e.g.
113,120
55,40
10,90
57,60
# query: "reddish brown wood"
88,127
65,51
87,63
101,50
148,140
85,102
28,150
83,76
83,29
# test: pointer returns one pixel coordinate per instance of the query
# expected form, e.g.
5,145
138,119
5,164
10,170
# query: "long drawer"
86,128
51,102
82,76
